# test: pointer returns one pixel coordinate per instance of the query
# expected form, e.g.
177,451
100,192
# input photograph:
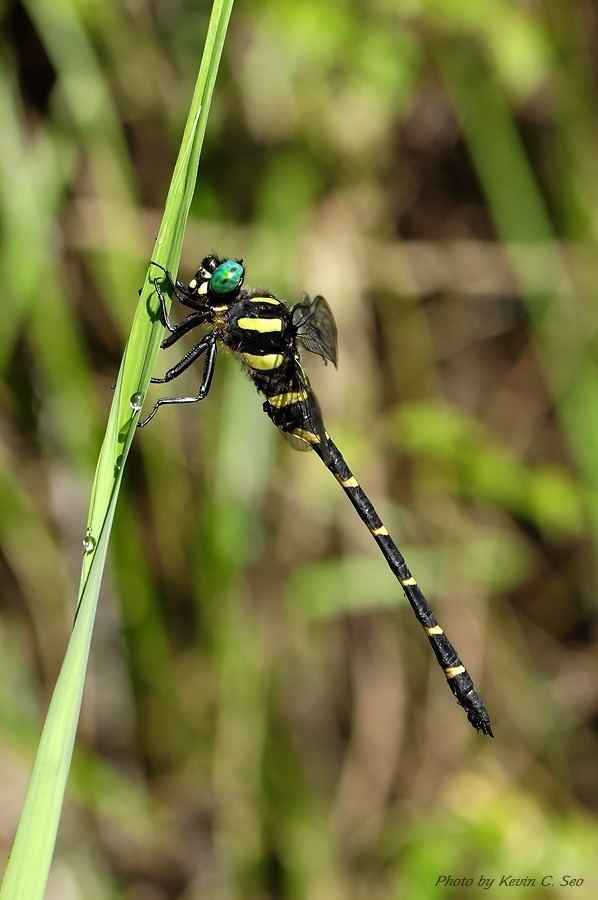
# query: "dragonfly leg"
187,360
177,331
182,292
209,344
187,324
172,328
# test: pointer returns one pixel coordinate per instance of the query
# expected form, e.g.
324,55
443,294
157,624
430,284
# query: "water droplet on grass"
89,541
136,401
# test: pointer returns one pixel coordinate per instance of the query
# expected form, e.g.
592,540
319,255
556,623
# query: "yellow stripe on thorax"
268,361
272,300
262,325
382,531
287,399
433,629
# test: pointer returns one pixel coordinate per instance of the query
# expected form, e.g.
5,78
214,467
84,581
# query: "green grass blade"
31,856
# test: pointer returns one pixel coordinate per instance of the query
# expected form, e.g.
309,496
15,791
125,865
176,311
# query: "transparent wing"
315,327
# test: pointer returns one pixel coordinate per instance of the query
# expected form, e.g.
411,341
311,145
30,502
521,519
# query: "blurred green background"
263,717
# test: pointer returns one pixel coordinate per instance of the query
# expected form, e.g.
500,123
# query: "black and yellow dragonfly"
266,336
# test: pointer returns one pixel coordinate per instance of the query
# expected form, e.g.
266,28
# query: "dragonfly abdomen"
457,676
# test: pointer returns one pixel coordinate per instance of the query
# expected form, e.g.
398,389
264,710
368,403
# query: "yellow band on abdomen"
308,436
287,399
453,671
349,482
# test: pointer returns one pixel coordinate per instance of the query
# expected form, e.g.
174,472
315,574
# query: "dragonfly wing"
315,327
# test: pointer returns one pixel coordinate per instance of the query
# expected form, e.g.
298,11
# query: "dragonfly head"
227,278
221,279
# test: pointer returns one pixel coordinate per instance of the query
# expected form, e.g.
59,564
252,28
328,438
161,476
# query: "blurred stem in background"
561,313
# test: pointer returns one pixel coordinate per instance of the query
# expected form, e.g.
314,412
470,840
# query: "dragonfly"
268,336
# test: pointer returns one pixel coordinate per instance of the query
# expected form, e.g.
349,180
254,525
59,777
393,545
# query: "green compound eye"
227,277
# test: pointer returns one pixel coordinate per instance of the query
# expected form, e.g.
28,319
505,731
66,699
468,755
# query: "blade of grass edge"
29,863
